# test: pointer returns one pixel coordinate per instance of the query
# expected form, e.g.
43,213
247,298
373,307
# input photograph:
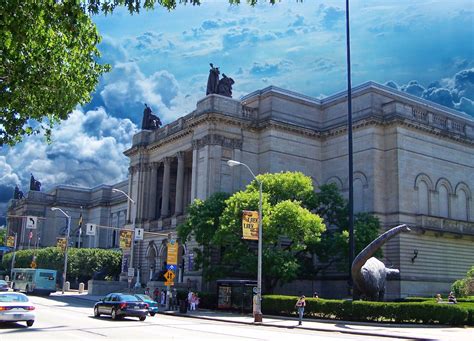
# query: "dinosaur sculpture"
368,273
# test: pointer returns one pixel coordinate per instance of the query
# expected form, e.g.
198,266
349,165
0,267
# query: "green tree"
202,223
334,246
48,65
288,227
49,59
464,287
3,236
82,263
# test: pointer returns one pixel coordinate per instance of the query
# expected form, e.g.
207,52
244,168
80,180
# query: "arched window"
358,196
443,200
423,198
461,205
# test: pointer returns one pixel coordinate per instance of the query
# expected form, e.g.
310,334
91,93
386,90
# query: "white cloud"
87,150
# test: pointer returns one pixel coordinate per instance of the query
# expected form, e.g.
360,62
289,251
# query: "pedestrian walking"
157,295
190,296
193,302
300,304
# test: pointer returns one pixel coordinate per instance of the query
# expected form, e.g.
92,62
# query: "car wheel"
152,314
29,323
114,314
142,318
96,312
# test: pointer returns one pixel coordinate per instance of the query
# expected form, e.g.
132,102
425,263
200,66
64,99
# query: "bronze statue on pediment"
150,121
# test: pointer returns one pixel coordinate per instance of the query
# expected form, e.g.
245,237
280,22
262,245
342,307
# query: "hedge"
408,312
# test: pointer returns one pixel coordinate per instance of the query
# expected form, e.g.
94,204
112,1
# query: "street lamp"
133,238
258,314
67,243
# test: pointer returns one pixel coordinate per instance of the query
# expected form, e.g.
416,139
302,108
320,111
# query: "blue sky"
424,47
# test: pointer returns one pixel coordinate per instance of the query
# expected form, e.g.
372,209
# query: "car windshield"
128,298
13,298
144,297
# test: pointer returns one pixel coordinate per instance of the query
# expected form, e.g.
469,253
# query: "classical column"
166,188
179,184
194,171
152,194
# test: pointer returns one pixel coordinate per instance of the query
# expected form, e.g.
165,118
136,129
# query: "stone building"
413,164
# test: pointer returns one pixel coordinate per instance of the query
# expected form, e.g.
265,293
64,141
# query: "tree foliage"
82,263
288,228
48,65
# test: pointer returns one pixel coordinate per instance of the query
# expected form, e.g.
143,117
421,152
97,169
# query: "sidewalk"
405,331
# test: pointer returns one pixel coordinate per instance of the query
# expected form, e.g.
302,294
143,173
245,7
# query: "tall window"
461,205
443,201
423,198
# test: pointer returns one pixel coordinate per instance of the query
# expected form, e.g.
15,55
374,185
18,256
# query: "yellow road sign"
33,265
169,275
169,283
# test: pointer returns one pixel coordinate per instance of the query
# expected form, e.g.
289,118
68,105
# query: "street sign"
171,267
169,275
33,265
169,283
131,272
139,234
90,229
172,258
31,222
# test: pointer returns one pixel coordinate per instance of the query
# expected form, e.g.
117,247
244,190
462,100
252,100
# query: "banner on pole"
125,239
61,242
172,258
250,225
11,241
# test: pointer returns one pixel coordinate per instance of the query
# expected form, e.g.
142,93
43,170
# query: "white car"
15,307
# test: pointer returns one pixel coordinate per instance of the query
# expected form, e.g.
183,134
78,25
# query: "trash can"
183,306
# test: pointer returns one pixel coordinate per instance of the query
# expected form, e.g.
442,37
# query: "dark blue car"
152,304
119,305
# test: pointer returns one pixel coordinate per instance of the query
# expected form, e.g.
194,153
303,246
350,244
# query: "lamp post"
67,243
258,314
133,237
350,152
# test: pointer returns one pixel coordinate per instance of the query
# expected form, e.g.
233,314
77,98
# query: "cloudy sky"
424,47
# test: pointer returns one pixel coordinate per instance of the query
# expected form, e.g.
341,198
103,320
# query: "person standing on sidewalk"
300,304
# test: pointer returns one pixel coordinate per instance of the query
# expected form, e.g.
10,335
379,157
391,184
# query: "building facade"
413,164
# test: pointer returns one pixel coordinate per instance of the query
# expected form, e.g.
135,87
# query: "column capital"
167,160
180,155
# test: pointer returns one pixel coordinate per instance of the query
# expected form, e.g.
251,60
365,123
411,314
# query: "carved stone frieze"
215,139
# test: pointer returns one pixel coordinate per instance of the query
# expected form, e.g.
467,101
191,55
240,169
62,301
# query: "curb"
263,324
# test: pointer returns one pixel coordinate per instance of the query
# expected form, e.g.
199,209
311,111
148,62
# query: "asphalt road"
60,318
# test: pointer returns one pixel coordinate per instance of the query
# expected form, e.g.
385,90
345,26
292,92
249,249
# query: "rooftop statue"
17,194
150,121
35,185
225,86
368,273
218,86
213,80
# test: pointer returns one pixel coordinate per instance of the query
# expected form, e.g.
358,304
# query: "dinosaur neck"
370,249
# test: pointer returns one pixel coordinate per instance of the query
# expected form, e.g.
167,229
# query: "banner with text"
250,225
172,258
125,239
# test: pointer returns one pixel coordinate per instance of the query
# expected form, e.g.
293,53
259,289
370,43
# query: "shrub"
408,312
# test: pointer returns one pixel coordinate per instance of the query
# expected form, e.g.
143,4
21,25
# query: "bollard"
81,288
67,286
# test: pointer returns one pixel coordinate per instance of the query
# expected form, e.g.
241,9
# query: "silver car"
15,307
